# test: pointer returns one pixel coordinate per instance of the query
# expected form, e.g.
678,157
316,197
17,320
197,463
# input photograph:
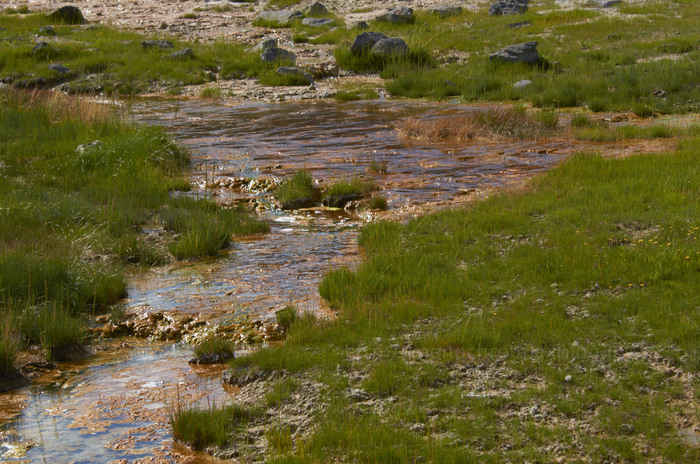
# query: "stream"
116,405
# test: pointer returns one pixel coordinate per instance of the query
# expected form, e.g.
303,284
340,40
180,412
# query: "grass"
286,317
355,95
351,185
378,202
214,345
71,220
570,294
300,185
602,132
201,428
493,123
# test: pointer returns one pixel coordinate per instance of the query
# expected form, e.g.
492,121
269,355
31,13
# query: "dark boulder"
390,46
339,201
366,41
59,68
508,7
298,203
272,55
157,44
68,15
518,53
212,358
316,9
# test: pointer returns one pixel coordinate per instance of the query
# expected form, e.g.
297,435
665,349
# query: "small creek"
116,405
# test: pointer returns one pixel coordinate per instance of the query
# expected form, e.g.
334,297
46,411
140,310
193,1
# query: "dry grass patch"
492,123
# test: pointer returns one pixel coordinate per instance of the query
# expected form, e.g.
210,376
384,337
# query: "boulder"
445,11
281,17
68,15
339,201
518,53
41,47
508,7
318,22
607,3
46,30
316,9
519,24
180,54
299,203
294,71
157,44
265,43
59,68
401,15
271,55
212,358
390,46
366,41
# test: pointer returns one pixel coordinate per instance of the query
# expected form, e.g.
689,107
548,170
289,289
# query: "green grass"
214,345
601,132
349,186
378,202
458,320
201,428
70,221
298,186
355,95
286,317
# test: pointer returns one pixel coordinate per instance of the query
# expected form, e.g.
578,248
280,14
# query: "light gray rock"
518,53
294,71
265,43
271,55
40,47
180,54
366,41
401,15
46,30
157,44
318,22
282,17
522,84
390,46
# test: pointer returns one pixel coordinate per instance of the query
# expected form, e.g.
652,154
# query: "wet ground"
116,406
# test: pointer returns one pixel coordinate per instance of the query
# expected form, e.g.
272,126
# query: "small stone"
264,44
508,7
390,46
318,22
535,410
40,47
47,30
59,68
522,84
281,17
627,428
568,379
518,53
180,54
362,25
157,44
271,55
88,146
401,15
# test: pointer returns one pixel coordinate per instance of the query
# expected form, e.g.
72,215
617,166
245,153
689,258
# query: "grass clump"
201,428
286,317
349,186
378,202
213,346
355,95
495,123
9,346
300,185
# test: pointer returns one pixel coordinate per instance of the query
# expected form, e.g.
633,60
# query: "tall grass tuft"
300,185
201,428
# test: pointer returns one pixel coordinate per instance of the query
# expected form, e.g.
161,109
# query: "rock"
362,25
535,410
267,42
11,381
607,3
318,22
322,70
299,203
294,71
40,47
390,46
180,54
157,44
366,41
357,394
518,53
281,17
522,84
46,30
71,352
316,9
80,149
445,11
339,201
34,83
212,358
568,379
68,15
271,55
243,375
508,7
519,24
401,15
417,428
59,68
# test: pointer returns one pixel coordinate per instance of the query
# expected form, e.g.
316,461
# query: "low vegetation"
77,185
201,428
215,346
556,322
300,185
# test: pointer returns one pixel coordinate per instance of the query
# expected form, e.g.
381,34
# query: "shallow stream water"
116,405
